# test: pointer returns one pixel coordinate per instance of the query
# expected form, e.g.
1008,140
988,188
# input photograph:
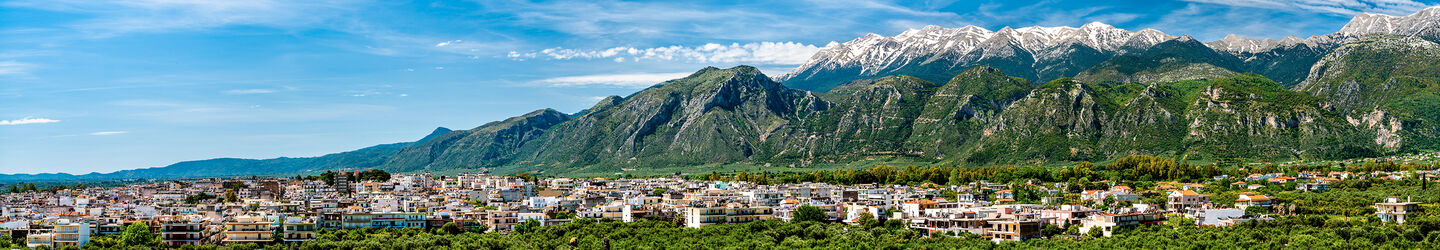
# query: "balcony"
248,229
186,238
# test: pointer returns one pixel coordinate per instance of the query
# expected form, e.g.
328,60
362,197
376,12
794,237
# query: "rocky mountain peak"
1425,23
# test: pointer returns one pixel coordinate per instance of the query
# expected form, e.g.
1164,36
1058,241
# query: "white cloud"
27,120
447,43
249,91
1340,7
612,80
782,53
109,132
14,68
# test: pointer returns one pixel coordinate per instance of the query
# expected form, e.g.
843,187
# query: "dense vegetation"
1293,232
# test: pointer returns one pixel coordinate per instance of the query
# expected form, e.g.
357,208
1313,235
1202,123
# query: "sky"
105,85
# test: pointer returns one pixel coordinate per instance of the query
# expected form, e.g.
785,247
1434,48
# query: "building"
501,221
299,229
696,217
1108,222
397,220
1247,200
71,234
1014,230
40,239
1186,200
178,233
247,229
1395,210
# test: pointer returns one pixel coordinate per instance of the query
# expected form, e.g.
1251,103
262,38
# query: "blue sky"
101,85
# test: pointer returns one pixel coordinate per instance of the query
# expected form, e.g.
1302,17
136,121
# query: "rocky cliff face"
1387,85
714,115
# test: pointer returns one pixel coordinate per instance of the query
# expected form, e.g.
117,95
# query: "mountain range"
968,96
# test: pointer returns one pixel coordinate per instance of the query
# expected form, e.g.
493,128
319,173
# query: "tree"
450,228
137,235
867,220
658,191
530,225
1051,230
809,213
1256,210
1096,232
14,189
230,196
955,179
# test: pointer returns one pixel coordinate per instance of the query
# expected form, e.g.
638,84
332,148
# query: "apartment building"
71,234
299,229
181,232
700,216
249,229
1014,230
1108,222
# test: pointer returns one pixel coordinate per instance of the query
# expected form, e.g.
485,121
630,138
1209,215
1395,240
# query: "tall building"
342,184
72,234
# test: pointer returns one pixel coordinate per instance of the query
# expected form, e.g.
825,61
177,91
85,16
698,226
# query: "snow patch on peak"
874,54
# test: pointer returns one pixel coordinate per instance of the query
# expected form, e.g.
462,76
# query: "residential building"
71,234
249,229
1392,209
1108,222
1014,230
1186,200
696,217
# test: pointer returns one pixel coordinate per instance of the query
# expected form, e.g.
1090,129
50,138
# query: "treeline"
329,176
30,187
1144,168
1299,232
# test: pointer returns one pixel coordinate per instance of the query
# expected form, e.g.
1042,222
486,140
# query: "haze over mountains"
970,96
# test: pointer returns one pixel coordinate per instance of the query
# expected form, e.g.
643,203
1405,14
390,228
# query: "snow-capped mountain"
1425,23
954,49
1044,53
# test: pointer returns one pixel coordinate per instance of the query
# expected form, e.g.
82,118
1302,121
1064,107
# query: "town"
279,210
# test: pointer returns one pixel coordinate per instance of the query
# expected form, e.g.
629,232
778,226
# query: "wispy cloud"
249,91
15,68
1340,7
612,80
786,53
27,120
109,132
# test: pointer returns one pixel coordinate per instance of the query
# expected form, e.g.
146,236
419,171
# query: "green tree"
1051,230
955,179
230,196
137,235
1256,210
530,225
658,191
867,220
450,228
1096,232
809,213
